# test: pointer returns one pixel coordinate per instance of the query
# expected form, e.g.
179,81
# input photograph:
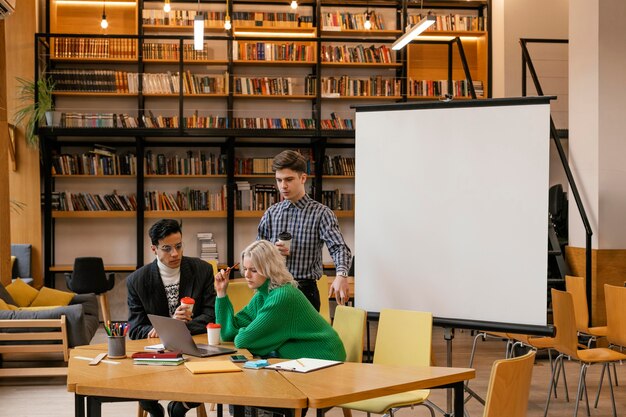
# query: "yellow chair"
615,298
213,263
509,386
403,339
349,323
577,287
322,287
566,342
240,294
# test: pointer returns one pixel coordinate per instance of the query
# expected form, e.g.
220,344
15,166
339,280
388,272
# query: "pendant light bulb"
104,24
227,24
368,23
294,4
166,6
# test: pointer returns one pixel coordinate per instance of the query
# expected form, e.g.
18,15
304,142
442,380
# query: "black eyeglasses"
168,248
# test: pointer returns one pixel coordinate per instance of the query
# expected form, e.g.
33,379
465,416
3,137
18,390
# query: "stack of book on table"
158,358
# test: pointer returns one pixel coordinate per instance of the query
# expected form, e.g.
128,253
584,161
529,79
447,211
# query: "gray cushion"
80,320
21,251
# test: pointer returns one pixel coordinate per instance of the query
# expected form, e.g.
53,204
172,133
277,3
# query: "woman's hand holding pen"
221,281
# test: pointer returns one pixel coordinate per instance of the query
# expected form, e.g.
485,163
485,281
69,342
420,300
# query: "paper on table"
303,365
207,367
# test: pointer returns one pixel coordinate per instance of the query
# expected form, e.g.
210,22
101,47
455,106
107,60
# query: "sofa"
60,328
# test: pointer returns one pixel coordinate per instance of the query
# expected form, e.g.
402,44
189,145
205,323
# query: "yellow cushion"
13,258
51,297
5,306
21,292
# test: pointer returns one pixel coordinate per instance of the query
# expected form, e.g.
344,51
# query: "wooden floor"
35,397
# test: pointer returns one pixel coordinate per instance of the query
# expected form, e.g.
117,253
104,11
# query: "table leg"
238,411
79,405
94,407
458,398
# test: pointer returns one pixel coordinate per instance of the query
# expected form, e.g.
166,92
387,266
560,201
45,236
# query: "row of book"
336,200
436,88
263,166
185,18
186,200
169,83
264,85
357,54
65,201
339,21
122,120
117,48
338,165
198,163
255,196
94,164
171,51
207,248
273,51
266,19
452,22
375,86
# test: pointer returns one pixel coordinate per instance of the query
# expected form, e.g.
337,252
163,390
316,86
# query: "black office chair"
89,277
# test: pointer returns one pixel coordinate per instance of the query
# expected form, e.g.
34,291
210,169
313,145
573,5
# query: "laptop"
176,336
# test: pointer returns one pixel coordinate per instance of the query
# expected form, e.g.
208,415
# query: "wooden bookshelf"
94,214
184,214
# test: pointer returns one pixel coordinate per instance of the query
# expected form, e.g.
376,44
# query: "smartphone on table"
238,358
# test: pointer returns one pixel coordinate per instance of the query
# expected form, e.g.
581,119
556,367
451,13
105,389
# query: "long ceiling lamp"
413,32
198,30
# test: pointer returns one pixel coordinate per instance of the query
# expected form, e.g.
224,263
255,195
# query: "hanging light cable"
227,24
103,23
198,30
167,7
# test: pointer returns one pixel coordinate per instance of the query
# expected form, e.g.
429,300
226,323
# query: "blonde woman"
278,320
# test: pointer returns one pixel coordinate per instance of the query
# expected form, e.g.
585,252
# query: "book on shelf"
452,22
187,199
96,202
207,248
372,54
340,21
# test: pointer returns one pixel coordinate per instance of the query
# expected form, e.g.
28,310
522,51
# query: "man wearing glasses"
158,287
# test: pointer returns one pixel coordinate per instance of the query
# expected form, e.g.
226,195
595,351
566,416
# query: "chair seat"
600,355
381,405
599,331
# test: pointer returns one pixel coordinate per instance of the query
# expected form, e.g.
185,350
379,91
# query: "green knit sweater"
280,320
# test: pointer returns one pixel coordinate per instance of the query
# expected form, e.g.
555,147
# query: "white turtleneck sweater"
171,282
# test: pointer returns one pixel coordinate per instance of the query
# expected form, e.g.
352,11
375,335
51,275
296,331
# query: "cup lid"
213,326
187,300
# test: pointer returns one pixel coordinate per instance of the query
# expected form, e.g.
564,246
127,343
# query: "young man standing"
311,225
157,288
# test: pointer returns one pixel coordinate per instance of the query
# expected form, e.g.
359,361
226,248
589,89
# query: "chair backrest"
322,287
566,339
509,386
615,314
239,294
89,276
213,263
404,338
349,323
577,287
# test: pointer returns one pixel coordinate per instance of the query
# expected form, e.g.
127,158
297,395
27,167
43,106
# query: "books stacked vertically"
96,202
196,163
336,200
207,247
338,165
186,200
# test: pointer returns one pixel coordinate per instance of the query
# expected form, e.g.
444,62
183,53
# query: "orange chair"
509,386
566,342
577,287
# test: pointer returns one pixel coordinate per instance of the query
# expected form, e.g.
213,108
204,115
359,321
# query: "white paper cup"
213,332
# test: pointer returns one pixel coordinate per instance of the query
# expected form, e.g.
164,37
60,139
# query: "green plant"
32,112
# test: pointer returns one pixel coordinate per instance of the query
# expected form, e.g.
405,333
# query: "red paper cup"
213,333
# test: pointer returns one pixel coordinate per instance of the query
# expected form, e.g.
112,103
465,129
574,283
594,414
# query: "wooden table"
264,388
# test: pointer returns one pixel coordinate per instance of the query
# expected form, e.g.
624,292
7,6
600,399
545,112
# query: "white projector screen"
452,210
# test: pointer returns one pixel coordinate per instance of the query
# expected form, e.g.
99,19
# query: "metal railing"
527,65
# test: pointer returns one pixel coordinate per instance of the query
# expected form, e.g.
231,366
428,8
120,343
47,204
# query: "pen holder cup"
117,347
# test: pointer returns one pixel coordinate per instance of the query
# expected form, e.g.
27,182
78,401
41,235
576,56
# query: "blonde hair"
268,262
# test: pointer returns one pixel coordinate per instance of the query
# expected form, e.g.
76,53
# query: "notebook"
176,336
303,365
208,367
